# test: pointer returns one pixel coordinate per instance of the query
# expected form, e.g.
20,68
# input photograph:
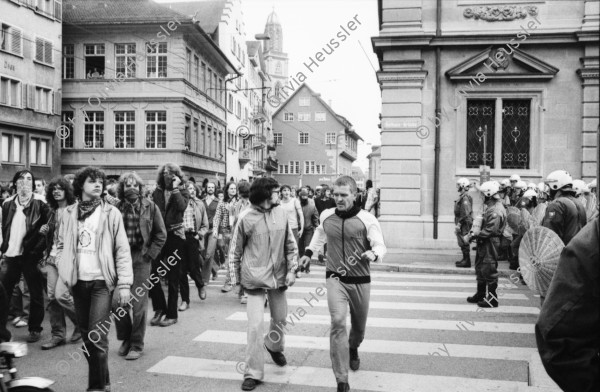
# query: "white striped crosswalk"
421,335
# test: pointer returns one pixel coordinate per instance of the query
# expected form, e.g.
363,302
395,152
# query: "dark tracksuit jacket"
568,328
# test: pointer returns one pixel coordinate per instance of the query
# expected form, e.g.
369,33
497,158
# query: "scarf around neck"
87,208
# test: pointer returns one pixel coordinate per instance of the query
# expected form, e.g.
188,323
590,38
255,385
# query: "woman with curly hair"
59,195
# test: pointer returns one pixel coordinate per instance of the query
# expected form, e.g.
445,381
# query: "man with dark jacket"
568,329
23,245
311,222
171,198
263,259
146,234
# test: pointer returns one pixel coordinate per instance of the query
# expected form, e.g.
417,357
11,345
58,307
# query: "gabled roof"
341,119
208,13
518,65
117,12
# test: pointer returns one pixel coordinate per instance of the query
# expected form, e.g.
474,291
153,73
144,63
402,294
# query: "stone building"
30,87
143,85
512,84
313,143
375,166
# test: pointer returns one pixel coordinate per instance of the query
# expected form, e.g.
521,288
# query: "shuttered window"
43,51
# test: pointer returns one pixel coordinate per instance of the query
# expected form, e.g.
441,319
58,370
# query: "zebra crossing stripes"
399,323
309,376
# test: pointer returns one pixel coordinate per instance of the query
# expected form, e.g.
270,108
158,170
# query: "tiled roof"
208,13
117,12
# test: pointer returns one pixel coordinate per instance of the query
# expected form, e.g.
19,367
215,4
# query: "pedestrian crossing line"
409,293
323,377
470,285
311,301
384,346
398,323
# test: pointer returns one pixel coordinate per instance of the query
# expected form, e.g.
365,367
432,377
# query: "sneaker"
244,299
124,349
343,387
202,293
133,355
354,359
34,336
249,384
226,288
54,342
278,358
15,320
158,315
184,306
21,323
168,322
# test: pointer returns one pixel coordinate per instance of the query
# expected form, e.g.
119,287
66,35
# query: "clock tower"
276,60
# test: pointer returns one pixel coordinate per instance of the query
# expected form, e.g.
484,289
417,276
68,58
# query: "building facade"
143,85
359,177
314,144
30,87
509,84
375,166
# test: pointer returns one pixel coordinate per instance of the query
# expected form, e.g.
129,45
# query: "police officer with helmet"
513,193
463,208
565,215
488,244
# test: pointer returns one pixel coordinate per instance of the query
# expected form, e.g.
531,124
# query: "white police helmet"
463,183
522,185
489,188
580,187
529,193
515,177
559,179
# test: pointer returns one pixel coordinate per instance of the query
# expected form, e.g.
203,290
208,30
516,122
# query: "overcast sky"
346,77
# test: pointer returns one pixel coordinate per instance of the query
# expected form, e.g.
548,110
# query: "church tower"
276,60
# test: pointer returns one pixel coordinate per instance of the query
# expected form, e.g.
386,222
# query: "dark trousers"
132,327
5,334
514,247
92,305
303,243
486,260
172,256
207,264
159,302
190,264
15,266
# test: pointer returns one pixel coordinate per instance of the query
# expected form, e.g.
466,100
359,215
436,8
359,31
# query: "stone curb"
538,378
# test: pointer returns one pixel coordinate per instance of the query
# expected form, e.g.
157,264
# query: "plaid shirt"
189,223
221,219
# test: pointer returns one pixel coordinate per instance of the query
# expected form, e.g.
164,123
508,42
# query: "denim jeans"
60,302
275,339
20,300
211,246
339,296
92,305
132,327
15,266
190,265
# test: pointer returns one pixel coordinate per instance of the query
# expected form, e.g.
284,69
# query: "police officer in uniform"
564,215
521,202
488,243
463,208
513,194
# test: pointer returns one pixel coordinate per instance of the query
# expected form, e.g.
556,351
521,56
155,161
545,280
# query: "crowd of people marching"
96,249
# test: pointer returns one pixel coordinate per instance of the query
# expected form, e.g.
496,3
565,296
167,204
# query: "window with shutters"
11,148
67,126
45,7
203,77
43,100
156,60
58,10
10,92
196,80
38,151
43,51
11,39
94,61
93,130
125,129
125,60
156,129
68,61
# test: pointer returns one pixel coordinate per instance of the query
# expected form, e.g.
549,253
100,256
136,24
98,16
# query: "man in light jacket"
263,257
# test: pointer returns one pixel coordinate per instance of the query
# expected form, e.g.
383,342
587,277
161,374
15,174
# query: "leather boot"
491,301
479,295
465,262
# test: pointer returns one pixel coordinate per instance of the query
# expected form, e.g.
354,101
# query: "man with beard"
146,234
23,245
211,202
171,197
355,240
311,222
